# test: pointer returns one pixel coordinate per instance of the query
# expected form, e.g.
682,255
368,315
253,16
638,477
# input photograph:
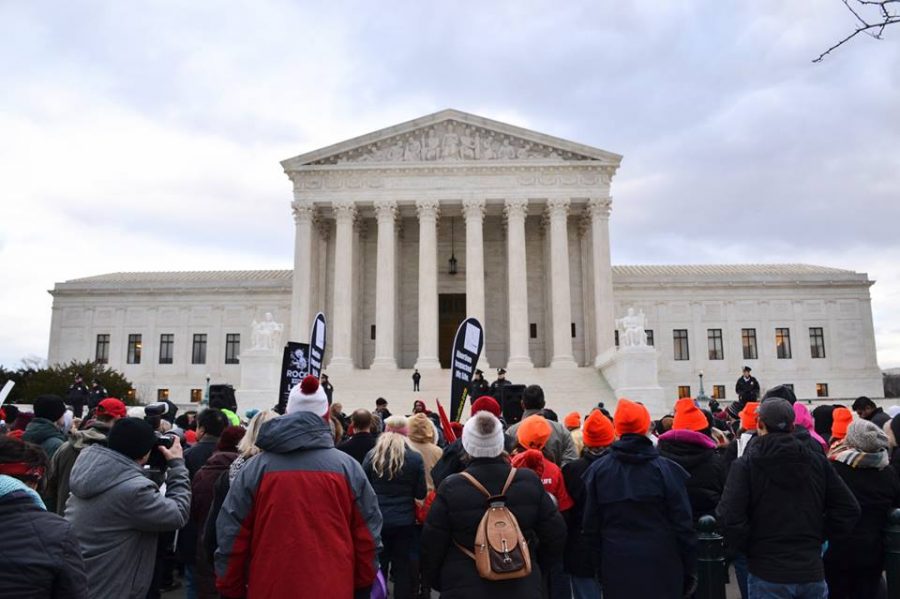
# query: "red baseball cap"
113,407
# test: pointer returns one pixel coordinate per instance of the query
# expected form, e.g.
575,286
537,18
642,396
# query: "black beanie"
781,392
51,407
132,437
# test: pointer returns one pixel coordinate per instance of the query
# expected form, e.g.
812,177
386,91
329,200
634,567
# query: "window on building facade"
166,348
650,341
616,338
821,389
748,340
718,392
532,330
196,395
573,330
233,348
198,351
680,339
783,344
714,339
817,342
131,394
162,394
372,332
134,349
101,353
684,391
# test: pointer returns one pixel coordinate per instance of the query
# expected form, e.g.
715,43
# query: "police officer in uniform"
500,382
747,387
478,386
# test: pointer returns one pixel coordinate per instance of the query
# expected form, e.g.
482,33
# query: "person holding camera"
117,512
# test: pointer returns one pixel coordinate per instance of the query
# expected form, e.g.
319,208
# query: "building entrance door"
451,312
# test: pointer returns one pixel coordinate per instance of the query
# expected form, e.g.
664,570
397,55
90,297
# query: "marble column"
560,285
515,210
385,285
301,292
601,273
428,297
473,210
342,324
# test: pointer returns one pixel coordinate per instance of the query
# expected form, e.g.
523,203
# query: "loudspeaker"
510,399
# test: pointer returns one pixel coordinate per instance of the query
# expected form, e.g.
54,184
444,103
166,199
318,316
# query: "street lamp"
701,397
206,396
452,260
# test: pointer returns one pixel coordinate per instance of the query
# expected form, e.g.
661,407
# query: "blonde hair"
247,447
388,455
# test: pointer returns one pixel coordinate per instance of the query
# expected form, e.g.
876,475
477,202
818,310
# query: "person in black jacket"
865,408
362,440
892,428
77,396
690,445
598,434
637,516
454,458
853,565
781,502
41,556
459,506
747,387
397,475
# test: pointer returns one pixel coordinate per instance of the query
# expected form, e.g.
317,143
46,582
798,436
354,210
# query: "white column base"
384,364
428,364
339,365
519,363
563,362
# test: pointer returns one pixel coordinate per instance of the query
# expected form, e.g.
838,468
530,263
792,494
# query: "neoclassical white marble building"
525,216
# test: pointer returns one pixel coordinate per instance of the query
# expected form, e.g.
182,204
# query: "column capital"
428,208
303,212
473,208
344,210
515,208
385,210
599,207
558,207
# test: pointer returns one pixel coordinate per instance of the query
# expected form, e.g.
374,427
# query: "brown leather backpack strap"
464,550
509,479
476,484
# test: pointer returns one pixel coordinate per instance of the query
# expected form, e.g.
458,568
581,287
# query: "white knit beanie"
483,436
308,396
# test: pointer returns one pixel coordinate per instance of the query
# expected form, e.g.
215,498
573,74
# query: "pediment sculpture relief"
448,142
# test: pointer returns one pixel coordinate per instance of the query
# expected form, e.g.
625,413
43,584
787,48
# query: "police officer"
747,387
77,396
500,382
478,386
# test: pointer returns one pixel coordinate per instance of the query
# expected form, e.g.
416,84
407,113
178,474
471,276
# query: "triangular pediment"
451,136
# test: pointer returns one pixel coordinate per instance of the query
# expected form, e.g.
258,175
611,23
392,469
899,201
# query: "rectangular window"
783,344
232,348
748,340
101,354
680,339
573,330
166,348
196,395
616,338
650,341
714,339
532,330
134,349
718,392
372,332
198,351
684,391
821,389
162,394
131,394
817,343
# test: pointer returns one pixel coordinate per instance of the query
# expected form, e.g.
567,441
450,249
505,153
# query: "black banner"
467,345
294,366
317,345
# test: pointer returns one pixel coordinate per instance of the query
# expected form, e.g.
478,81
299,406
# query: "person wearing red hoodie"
532,436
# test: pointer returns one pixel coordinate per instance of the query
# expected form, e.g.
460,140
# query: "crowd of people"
317,503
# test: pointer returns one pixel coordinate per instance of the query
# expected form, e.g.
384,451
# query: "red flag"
449,435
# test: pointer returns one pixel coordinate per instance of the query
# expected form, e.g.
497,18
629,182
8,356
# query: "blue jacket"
637,521
396,496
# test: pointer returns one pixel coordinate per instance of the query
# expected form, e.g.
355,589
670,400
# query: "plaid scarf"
859,459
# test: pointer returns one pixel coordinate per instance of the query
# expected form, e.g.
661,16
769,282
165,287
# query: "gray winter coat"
560,447
117,513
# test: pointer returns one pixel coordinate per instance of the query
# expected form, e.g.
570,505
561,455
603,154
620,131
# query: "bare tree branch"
874,29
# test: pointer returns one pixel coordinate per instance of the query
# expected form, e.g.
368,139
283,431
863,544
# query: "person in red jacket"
301,518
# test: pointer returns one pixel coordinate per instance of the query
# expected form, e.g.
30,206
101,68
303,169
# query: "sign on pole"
467,345
317,345
294,366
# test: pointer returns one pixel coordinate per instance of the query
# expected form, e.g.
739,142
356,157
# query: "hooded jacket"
781,502
637,522
560,447
117,514
39,555
41,431
454,517
57,491
421,438
549,473
697,454
299,515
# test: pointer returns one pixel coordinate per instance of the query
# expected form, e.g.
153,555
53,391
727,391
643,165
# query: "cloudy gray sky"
146,136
